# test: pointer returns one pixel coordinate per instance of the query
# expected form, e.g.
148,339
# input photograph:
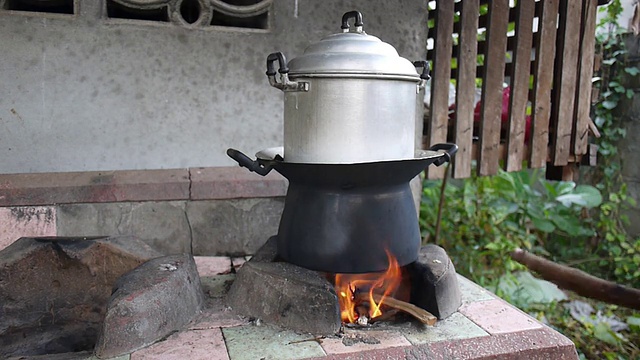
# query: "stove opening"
363,298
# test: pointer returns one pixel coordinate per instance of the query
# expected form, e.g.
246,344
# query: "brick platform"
485,328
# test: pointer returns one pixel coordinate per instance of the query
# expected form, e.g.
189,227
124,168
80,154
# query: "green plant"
485,218
618,256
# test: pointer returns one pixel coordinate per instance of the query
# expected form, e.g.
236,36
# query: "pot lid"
352,52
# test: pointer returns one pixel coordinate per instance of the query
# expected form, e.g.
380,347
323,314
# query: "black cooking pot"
340,218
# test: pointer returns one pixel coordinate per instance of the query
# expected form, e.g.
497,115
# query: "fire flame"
384,284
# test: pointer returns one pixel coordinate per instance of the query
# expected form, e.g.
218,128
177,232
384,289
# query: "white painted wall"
84,93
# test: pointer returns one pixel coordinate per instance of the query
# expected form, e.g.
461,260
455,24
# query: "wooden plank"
583,91
508,70
439,104
465,88
493,77
483,20
565,79
519,95
542,80
503,153
511,42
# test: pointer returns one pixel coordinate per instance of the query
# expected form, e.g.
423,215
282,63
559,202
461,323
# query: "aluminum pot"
350,98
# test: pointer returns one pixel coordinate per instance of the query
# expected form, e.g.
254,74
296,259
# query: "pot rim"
276,153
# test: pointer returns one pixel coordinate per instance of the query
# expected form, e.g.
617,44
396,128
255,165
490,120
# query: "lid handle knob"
357,15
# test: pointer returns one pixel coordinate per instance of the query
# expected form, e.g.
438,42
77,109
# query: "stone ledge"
234,182
137,185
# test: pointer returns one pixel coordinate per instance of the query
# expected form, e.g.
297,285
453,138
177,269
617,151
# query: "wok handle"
449,150
253,165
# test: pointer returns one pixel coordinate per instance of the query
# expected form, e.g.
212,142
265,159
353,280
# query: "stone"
162,225
235,227
159,297
434,283
267,252
287,295
54,290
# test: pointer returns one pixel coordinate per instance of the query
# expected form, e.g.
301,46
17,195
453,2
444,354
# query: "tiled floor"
484,327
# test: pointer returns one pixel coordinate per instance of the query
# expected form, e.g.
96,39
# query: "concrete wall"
84,92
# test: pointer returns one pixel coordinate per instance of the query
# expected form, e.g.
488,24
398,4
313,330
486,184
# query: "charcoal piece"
434,283
286,295
157,298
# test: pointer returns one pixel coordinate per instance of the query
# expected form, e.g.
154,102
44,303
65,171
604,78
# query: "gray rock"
54,291
144,307
286,295
434,284
268,252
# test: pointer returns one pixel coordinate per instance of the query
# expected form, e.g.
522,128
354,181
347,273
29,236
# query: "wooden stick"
578,281
423,315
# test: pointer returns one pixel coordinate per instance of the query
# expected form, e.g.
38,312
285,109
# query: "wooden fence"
543,50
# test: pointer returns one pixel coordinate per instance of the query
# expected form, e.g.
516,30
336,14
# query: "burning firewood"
422,315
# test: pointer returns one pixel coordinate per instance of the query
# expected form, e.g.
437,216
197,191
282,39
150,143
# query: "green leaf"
583,195
543,225
603,332
633,71
524,289
633,321
609,61
609,104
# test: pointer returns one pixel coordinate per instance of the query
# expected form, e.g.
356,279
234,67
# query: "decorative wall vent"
43,6
252,14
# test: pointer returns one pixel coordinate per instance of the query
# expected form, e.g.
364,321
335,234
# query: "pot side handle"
284,84
424,75
449,150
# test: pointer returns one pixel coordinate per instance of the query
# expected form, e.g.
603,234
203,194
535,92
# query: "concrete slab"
233,227
357,341
456,326
266,342
471,292
498,317
94,186
233,183
162,225
217,286
213,265
237,262
204,344
217,318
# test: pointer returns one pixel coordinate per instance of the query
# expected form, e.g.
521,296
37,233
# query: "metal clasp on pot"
424,76
284,84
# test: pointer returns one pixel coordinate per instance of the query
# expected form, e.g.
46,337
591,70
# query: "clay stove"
350,112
